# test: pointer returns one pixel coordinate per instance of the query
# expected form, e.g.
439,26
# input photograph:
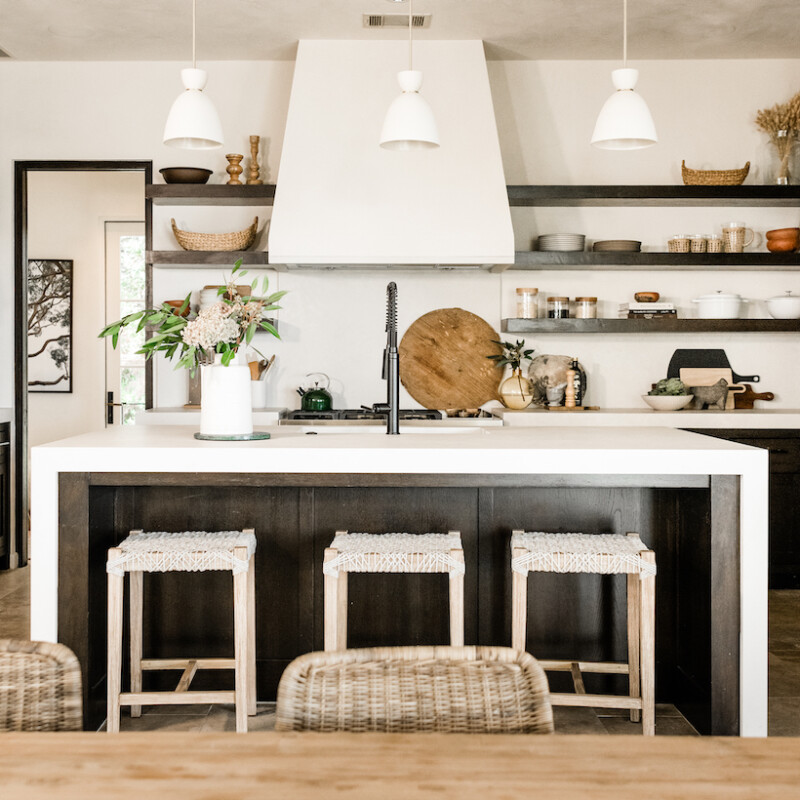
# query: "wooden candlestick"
253,179
234,168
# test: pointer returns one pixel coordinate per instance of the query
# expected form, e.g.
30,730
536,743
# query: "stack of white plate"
565,242
617,246
208,297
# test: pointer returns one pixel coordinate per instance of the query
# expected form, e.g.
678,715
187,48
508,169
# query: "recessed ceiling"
234,30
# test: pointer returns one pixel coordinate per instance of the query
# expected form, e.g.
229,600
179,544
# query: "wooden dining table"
297,766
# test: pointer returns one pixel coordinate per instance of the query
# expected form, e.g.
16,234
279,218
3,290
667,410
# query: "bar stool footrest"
176,698
595,700
605,667
183,663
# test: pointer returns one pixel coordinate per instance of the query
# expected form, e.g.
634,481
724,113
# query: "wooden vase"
234,168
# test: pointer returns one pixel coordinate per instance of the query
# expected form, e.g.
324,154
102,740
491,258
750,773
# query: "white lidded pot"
719,305
785,306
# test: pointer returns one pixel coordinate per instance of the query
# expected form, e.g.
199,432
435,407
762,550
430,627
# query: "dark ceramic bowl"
185,174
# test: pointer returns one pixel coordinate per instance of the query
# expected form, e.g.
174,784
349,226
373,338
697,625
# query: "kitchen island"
701,503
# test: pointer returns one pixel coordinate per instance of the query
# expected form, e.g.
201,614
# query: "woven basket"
714,177
239,240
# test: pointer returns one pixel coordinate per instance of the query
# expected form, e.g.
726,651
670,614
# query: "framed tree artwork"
49,325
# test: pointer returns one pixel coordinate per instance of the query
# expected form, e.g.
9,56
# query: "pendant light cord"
194,34
410,50
624,33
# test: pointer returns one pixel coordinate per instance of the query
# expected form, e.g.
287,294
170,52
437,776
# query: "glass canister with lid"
527,303
586,308
558,307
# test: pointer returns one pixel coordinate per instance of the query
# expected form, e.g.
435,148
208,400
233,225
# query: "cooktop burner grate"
360,413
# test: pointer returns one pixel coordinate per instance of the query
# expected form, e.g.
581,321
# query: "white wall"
67,212
334,321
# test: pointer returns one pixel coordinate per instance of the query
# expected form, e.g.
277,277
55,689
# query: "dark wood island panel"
296,515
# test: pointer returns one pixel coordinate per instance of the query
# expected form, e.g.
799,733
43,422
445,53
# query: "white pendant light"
193,122
409,122
624,122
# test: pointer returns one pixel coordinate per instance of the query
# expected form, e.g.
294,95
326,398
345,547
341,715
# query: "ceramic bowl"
185,174
782,233
787,244
785,306
667,402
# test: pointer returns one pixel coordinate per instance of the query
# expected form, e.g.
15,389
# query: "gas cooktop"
359,413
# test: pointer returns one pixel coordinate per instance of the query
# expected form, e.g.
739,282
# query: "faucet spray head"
391,308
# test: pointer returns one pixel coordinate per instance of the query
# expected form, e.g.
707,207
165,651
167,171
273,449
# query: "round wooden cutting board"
443,361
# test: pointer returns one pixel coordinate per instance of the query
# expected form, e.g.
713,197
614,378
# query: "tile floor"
784,678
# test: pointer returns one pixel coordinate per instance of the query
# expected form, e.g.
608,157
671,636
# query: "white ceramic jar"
719,305
786,306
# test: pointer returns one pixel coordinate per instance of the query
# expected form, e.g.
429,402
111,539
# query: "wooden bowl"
784,245
176,306
646,297
782,233
185,174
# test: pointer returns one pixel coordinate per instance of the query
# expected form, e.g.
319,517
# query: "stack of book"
647,310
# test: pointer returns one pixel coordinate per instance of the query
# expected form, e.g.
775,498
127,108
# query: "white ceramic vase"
226,407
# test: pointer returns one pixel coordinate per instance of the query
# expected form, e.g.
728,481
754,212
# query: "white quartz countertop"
551,450
421,449
740,418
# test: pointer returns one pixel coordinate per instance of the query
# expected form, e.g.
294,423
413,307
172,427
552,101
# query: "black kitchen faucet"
391,365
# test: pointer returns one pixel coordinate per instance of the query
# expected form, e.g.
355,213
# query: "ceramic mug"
734,237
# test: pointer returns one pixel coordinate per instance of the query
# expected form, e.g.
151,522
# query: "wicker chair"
40,687
415,689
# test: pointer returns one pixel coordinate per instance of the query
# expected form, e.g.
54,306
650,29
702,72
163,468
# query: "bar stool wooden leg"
136,596
648,646
457,602
331,613
114,666
241,639
519,605
634,632
252,689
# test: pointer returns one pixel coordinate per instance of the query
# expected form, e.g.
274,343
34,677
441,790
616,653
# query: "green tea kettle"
316,397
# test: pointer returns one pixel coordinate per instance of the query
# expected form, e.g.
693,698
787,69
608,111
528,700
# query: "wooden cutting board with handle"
443,360
708,376
747,398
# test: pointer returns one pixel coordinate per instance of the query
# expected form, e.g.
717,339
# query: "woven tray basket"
239,240
714,177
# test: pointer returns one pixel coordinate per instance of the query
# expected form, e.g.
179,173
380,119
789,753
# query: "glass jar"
586,308
558,307
527,303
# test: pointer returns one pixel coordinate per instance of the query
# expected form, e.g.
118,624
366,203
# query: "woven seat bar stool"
390,552
188,551
40,687
602,554
415,690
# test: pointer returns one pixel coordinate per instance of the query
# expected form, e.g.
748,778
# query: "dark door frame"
21,170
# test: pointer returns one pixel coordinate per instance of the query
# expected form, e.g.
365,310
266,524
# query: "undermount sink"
344,428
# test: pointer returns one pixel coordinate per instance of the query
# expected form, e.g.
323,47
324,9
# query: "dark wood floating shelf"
202,194
650,325
653,195
674,262
200,259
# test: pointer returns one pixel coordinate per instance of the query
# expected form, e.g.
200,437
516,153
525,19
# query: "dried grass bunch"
782,124
781,117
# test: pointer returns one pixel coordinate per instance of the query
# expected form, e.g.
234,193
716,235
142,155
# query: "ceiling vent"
396,20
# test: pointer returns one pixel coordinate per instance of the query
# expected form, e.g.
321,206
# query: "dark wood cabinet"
5,495
784,498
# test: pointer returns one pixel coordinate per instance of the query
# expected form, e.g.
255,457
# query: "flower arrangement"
782,124
220,328
513,355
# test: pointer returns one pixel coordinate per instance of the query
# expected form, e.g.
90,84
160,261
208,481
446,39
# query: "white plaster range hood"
341,200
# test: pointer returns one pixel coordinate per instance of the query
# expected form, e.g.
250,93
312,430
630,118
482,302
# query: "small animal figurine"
715,395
